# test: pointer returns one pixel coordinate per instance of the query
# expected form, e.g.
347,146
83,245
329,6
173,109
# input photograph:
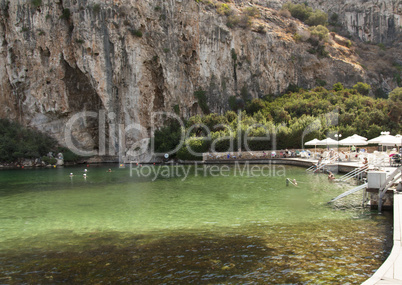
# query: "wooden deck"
390,271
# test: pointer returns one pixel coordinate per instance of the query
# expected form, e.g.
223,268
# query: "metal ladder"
351,191
388,183
314,168
354,173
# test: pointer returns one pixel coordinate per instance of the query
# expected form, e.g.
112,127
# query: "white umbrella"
391,140
313,142
358,137
353,141
328,141
378,139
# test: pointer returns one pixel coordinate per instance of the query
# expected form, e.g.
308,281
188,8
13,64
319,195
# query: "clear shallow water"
113,227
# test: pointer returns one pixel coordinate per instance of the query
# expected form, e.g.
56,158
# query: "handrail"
356,173
351,191
388,182
352,173
323,163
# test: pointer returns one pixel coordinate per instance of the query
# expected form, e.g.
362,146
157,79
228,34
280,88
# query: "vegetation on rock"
18,142
292,118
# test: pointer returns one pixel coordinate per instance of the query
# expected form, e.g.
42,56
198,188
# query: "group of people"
85,173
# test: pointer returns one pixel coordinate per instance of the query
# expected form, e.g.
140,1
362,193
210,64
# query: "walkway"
390,271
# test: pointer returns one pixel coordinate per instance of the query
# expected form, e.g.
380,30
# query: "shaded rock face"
132,58
377,21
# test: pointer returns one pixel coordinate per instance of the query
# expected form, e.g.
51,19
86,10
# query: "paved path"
390,271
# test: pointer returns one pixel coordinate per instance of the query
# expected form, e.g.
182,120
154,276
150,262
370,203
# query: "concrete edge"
396,249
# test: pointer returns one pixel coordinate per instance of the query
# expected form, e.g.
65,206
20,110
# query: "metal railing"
354,173
315,167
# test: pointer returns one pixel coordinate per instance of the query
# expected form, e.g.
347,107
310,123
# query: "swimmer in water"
294,182
330,176
71,174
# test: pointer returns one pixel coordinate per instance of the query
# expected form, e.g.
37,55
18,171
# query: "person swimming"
330,176
71,174
293,182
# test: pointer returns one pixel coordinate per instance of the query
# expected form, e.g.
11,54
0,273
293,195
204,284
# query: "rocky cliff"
377,21
124,60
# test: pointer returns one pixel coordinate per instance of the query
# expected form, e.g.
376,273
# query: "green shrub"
316,18
65,14
96,8
320,31
261,29
224,9
362,88
321,82
333,20
49,160
232,21
232,103
396,95
168,137
337,86
297,37
202,100
245,95
306,14
176,109
292,88
380,93
18,142
245,21
252,12
36,3
136,32
68,155
196,145
381,46
285,13
298,11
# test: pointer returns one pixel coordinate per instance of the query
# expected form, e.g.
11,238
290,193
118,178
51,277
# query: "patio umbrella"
313,142
391,140
379,138
353,140
358,137
327,142
349,141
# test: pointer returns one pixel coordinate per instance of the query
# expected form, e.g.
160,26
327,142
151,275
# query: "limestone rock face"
377,21
121,61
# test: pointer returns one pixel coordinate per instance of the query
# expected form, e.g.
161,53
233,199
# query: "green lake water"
153,225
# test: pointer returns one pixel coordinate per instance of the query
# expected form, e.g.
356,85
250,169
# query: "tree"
362,88
316,18
395,98
396,95
337,86
320,31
